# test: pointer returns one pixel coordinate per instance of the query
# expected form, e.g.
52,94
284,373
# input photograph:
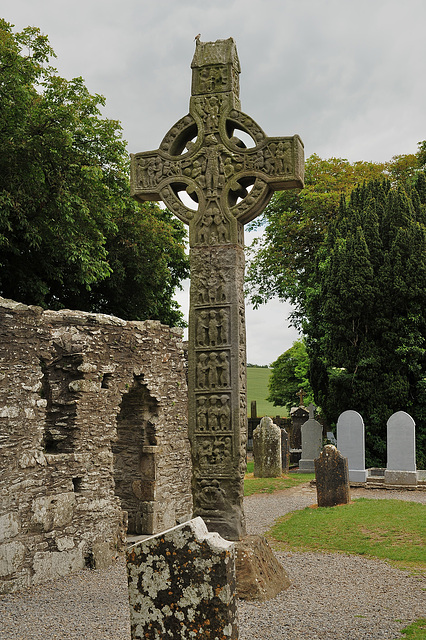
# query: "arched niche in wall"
134,454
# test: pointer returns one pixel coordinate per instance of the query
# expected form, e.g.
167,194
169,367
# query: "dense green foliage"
352,263
70,235
290,373
296,222
365,323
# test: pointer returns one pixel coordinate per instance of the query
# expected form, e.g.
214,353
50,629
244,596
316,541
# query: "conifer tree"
366,314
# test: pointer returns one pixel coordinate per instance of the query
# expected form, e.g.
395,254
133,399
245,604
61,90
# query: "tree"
366,321
296,222
289,375
70,235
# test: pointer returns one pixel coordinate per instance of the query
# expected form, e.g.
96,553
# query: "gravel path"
332,596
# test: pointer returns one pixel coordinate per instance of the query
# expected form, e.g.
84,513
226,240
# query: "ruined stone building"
93,438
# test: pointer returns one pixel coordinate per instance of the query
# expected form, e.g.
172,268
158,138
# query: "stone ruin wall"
93,432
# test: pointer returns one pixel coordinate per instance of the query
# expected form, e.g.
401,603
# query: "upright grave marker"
182,585
332,477
401,449
267,449
311,442
351,444
229,185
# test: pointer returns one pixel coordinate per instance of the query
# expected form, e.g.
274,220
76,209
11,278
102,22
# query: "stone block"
12,555
50,565
401,477
54,511
260,576
182,585
9,526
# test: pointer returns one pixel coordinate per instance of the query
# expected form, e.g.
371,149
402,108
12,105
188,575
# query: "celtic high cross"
228,184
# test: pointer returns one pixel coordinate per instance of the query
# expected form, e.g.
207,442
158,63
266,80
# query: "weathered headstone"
401,450
285,451
229,185
311,442
332,477
267,449
299,415
182,585
351,444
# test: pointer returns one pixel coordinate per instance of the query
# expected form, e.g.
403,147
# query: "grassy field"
257,389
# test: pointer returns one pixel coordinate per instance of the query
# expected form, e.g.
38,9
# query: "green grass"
391,530
257,389
270,485
416,630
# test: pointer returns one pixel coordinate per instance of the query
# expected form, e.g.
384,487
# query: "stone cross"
301,393
211,180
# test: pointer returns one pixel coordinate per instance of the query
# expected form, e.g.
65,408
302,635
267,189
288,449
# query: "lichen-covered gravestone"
182,585
267,449
228,184
332,477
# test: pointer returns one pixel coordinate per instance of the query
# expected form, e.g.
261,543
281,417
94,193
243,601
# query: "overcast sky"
348,76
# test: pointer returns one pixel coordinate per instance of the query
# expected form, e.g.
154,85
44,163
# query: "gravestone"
267,449
332,477
311,432
351,444
401,450
202,159
182,585
285,451
299,415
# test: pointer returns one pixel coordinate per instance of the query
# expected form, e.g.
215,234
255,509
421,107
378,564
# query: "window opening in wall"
134,457
89,559
106,380
76,484
61,408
